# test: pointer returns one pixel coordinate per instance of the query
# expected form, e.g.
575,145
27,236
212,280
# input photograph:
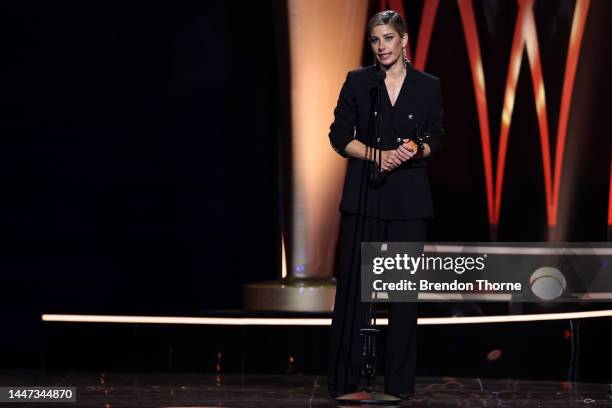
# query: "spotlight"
547,283
494,355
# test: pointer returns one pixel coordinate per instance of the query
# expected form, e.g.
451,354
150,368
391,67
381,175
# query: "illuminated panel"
530,37
525,35
325,42
610,198
283,257
271,321
466,10
428,18
553,183
508,250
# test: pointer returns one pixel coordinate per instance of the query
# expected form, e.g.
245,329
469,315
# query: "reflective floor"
108,390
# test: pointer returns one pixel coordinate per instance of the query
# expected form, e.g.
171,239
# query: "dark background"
137,158
140,144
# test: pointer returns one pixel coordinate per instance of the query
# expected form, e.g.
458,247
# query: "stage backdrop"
525,85
325,42
527,155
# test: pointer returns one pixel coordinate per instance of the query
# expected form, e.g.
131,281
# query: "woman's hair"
393,18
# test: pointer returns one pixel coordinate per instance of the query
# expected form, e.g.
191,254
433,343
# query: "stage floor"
110,390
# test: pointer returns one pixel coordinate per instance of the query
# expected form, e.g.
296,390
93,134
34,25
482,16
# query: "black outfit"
395,211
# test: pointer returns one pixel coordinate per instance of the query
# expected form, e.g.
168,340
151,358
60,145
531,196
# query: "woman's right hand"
390,160
393,158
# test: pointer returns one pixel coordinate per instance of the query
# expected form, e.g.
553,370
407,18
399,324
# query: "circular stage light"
547,283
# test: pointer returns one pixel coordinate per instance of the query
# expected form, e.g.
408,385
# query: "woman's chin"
387,63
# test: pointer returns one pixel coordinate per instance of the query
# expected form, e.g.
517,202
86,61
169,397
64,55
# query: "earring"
404,57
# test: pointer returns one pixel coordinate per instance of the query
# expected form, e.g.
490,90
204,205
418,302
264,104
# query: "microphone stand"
376,176
369,333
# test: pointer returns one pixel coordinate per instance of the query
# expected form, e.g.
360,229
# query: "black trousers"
350,314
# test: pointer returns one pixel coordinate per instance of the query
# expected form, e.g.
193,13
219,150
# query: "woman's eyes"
375,40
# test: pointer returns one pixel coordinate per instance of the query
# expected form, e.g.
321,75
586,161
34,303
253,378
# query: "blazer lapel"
403,123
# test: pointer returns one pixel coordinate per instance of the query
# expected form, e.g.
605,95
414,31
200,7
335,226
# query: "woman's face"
387,44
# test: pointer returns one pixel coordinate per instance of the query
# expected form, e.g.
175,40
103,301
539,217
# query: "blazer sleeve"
342,130
435,120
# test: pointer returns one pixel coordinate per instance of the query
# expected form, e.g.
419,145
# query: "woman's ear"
405,40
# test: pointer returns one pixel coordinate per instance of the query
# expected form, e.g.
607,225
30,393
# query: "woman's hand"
390,160
407,150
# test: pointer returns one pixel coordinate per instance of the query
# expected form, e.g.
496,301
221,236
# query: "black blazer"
405,193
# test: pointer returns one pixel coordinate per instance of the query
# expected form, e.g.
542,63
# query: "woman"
375,124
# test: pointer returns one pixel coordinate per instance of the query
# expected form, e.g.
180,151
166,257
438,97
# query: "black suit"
405,194
394,211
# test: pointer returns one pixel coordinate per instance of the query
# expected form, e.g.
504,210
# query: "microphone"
380,76
377,174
